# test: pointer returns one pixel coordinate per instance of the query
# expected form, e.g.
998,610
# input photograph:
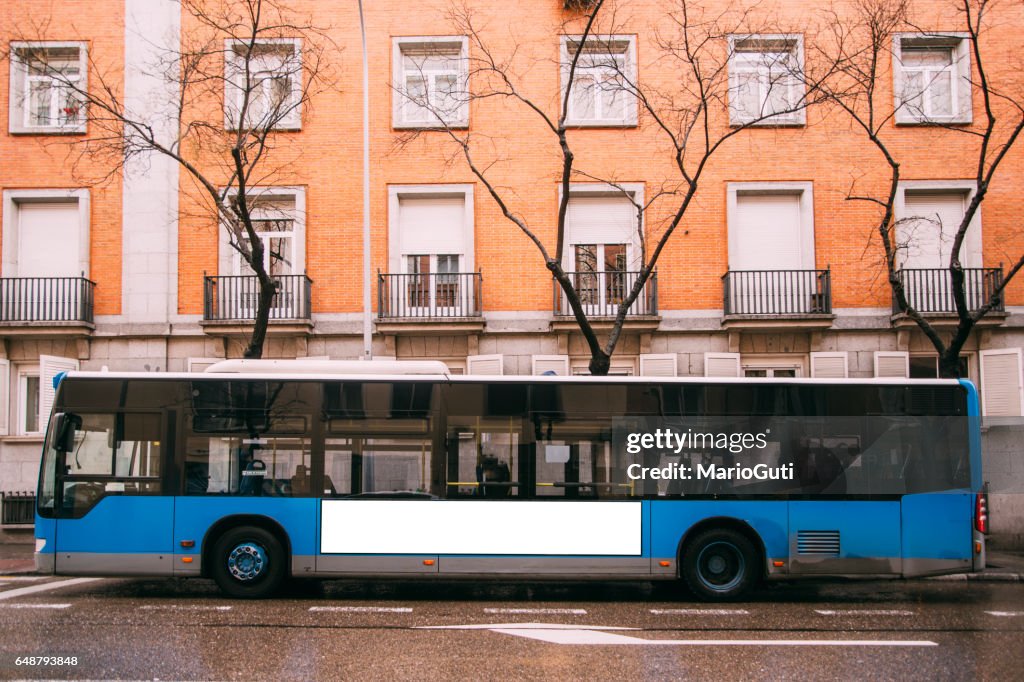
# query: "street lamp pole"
367,321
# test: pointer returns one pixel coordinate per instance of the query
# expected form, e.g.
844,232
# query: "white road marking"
35,606
700,612
865,612
362,609
1005,614
574,612
521,626
33,589
20,578
576,636
182,607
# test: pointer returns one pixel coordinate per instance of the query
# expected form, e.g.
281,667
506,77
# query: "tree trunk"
949,364
268,289
600,363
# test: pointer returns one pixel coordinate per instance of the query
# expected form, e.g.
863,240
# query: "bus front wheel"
719,564
248,562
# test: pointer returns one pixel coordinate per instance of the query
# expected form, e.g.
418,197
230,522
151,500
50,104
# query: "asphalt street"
178,629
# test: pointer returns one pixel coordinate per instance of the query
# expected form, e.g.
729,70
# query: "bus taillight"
981,512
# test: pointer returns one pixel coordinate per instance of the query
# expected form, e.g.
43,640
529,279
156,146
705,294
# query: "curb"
981,577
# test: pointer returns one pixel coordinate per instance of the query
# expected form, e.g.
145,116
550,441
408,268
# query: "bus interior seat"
253,484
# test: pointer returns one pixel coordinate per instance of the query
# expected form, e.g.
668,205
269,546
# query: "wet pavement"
67,628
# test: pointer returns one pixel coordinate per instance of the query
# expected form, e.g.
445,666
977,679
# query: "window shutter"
721,364
200,364
892,364
559,364
829,365
658,364
49,367
431,225
5,396
1001,383
485,364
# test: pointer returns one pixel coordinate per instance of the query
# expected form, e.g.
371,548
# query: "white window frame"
960,90
230,260
971,252
771,363
235,88
19,105
824,356
968,358
14,198
396,252
21,374
624,45
401,100
794,83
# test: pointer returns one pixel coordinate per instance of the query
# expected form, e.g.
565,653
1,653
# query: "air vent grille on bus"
820,542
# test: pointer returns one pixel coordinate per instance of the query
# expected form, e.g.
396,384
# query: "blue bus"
257,472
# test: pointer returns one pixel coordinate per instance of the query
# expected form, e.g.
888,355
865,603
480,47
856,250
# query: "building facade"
773,272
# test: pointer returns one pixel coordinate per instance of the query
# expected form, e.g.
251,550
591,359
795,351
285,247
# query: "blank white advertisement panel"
481,527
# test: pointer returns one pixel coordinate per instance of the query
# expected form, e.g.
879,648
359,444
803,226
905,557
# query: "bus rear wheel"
719,565
248,562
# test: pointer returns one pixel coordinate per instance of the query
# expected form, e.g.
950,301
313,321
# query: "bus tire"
719,564
248,562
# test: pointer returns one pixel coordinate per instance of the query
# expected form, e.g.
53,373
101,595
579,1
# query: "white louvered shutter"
431,225
721,364
201,364
485,364
658,364
892,364
767,233
1001,383
829,365
49,367
559,364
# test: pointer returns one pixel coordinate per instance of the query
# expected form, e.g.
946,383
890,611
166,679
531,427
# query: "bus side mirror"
67,425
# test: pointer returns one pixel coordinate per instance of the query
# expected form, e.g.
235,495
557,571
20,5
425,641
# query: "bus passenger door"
111,515
844,537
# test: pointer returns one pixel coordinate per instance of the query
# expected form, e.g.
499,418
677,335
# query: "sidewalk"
1002,566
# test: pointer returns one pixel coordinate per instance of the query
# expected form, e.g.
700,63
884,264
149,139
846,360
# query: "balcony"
50,305
766,298
231,301
601,293
444,301
930,291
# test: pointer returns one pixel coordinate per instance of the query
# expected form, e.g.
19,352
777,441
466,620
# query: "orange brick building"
772,272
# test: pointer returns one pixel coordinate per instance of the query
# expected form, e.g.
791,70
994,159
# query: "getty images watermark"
667,440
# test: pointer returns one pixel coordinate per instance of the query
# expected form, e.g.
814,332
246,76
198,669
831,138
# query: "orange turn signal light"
664,564
977,548
778,564
428,562
188,543
186,559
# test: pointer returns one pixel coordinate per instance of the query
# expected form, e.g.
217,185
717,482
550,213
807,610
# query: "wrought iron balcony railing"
46,299
777,292
930,290
429,295
235,297
602,292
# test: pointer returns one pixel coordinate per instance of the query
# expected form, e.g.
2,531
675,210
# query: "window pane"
928,57
940,102
582,105
259,466
39,102
483,457
31,424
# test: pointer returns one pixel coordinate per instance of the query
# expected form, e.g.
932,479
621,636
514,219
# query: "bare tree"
243,73
860,49
695,112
